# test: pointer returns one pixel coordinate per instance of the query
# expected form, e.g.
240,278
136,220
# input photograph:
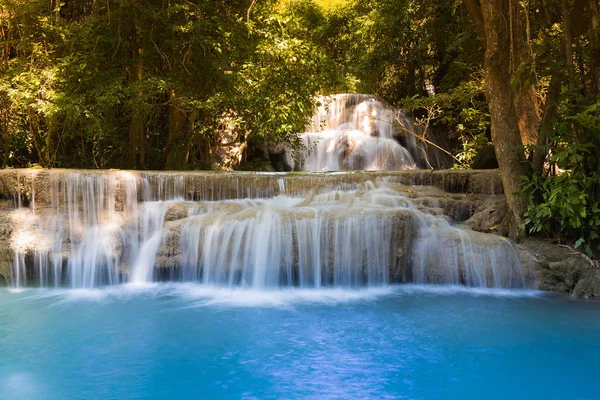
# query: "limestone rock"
561,269
6,254
588,286
177,211
490,216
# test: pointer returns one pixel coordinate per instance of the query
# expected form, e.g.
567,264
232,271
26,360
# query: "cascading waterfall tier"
88,229
358,132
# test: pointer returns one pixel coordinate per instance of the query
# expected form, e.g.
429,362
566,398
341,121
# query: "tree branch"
474,9
425,140
249,10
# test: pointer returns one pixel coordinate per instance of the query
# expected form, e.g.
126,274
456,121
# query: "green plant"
461,111
565,202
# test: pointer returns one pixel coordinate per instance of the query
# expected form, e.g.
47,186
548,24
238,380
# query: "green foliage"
76,78
276,86
462,111
564,203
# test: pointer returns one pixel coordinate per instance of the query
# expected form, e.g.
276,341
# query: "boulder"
560,268
177,211
490,216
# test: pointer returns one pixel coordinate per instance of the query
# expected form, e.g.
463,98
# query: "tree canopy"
189,84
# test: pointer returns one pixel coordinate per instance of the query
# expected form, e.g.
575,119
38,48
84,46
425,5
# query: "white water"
357,132
195,295
110,228
151,223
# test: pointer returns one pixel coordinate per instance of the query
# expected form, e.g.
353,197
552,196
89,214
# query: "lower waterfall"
100,229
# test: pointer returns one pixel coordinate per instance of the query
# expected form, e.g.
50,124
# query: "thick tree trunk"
474,10
205,153
505,127
525,97
528,113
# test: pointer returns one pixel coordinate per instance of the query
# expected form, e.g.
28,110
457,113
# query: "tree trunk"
38,142
205,153
528,112
176,147
191,134
136,129
474,10
505,127
56,10
52,124
595,39
525,97
550,108
137,123
5,158
568,43
5,143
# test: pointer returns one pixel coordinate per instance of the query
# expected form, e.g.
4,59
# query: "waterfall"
356,132
91,229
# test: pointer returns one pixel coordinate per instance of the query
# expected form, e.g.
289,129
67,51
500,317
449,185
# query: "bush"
564,202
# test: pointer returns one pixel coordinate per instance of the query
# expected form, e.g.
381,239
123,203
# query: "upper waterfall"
358,132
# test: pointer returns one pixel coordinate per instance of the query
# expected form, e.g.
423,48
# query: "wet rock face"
561,269
6,253
36,186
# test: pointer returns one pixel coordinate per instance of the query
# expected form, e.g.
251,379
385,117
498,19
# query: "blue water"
192,342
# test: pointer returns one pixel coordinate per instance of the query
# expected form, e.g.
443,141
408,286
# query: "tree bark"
474,10
525,97
505,127
550,109
136,127
568,32
595,39
52,125
137,122
5,158
528,112
176,158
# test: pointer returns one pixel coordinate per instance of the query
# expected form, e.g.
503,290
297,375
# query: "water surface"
190,341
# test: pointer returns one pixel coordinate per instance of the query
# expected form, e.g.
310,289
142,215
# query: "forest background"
170,84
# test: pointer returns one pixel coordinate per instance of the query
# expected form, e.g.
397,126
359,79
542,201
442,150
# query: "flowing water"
98,229
190,341
255,286
358,132
363,132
